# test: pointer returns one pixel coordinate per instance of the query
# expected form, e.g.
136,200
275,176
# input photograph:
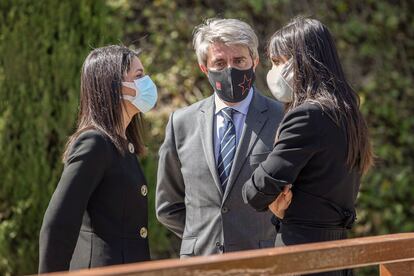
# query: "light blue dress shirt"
239,118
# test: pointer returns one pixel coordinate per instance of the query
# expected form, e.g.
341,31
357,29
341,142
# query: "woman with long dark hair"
98,213
322,146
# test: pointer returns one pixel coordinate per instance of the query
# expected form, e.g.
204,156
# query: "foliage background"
43,44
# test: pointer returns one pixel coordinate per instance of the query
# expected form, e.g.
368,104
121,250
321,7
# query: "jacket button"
224,210
143,232
131,148
144,190
220,247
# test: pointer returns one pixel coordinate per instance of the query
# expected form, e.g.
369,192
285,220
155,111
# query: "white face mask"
145,93
281,87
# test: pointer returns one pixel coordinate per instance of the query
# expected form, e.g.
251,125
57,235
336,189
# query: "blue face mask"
145,93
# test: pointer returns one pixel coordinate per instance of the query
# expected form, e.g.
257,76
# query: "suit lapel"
206,119
255,119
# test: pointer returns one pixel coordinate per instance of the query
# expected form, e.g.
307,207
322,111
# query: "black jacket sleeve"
83,170
298,141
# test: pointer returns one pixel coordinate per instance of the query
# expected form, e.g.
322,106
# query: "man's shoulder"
269,101
188,112
274,107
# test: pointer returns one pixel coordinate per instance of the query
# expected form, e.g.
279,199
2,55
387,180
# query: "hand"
282,202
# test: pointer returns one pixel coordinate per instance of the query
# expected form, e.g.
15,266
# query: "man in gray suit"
212,147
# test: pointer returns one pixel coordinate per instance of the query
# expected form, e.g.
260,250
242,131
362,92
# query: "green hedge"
43,46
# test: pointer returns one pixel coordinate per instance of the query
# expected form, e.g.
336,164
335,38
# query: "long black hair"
100,98
319,78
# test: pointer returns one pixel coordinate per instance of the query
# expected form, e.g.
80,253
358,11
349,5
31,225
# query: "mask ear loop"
132,86
287,72
129,84
128,97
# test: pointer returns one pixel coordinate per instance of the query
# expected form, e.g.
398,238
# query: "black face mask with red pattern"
231,84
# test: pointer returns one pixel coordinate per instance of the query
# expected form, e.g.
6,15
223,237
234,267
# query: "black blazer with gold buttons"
98,213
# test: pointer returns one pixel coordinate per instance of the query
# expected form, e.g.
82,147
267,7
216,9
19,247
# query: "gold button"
144,190
131,148
143,232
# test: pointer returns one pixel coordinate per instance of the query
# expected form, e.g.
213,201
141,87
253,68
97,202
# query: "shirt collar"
241,107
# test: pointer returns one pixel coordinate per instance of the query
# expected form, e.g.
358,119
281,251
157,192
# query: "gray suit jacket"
189,198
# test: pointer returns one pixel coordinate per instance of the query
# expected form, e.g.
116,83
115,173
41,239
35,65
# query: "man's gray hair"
227,31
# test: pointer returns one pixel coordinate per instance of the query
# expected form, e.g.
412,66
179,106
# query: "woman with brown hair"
323,146
97,215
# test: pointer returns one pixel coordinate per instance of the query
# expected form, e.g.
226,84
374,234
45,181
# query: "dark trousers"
298,234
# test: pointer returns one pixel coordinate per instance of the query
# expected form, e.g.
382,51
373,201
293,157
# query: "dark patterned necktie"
227,147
